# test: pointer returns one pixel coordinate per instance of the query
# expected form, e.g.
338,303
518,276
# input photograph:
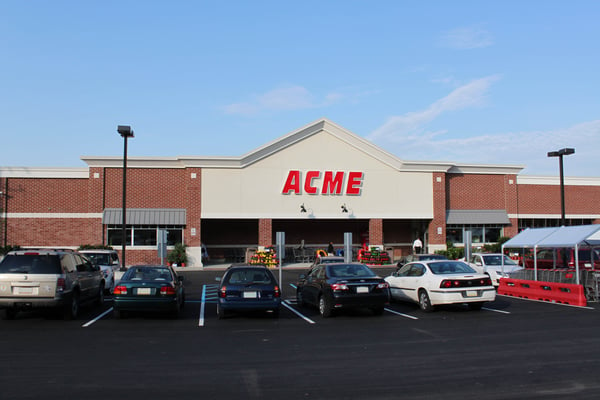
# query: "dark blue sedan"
149,288
248,288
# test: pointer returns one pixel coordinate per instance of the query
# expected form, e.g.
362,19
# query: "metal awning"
564,236
145,216
477,217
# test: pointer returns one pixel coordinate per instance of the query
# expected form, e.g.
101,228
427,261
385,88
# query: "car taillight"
339,286
383,285
167,290
60,285
120,290
449,283
486,282
223,292
277,291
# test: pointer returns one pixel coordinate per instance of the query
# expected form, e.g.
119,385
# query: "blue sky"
492,82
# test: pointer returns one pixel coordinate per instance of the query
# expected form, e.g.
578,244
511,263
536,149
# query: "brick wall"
439,210
265,232
545,199
375,231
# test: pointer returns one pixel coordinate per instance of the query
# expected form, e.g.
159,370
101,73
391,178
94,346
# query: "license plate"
23,290
250,295
144,291
472,293
362,289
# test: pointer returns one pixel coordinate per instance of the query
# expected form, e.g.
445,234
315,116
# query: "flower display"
266,257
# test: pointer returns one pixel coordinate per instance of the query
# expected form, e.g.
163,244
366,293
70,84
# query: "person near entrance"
330,249
417,246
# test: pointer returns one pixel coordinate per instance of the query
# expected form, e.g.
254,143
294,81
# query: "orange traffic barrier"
564,293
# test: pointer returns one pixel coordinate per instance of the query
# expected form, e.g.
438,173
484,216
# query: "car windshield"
432,257
30,264
450,267
349,271
329,260
99,258
248,276
496,259
147,274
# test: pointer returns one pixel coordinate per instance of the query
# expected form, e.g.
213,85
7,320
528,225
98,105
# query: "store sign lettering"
327,182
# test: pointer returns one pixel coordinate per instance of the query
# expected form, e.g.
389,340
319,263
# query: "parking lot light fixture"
126,132
560,153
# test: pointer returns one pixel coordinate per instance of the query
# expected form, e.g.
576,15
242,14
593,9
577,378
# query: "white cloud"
470,95
283,99
466,38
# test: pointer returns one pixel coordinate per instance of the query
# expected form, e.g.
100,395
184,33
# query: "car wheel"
325,307
424,301
377,310
475,306
118,314
275,313
11,313
72,309
100,299
220,312
300,299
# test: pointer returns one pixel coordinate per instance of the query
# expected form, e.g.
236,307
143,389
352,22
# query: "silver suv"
108,261
47,278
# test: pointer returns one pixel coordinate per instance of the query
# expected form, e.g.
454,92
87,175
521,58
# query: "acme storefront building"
314,184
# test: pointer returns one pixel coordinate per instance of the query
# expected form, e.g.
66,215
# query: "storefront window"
479,233
143,235
454,234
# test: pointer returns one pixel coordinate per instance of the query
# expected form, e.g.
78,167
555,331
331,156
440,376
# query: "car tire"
100,298
325,306
424,301
10,313
220,312
300,299
377,310
275,313
475,306
118,314
71,310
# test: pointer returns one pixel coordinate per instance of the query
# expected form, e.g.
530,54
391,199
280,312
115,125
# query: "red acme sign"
327,182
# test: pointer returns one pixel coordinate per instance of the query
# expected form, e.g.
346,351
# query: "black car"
248,288
342,285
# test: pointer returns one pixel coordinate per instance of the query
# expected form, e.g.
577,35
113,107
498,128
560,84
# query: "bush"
177,255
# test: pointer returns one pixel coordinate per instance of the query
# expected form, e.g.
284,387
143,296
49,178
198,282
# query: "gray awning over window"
477,217
145,216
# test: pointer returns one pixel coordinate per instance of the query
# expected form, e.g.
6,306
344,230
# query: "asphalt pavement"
512,349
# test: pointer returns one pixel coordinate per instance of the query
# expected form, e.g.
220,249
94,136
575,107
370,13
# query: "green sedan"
149,288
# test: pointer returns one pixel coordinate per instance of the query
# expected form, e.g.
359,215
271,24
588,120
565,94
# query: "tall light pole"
126,132
560,153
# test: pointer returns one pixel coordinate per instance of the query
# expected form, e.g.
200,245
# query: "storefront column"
265,232
437,226
376,231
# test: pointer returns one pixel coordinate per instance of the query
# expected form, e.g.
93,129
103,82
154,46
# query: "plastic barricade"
564,293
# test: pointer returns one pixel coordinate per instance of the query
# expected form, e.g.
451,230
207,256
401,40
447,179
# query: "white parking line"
97,318
400,314
494,310
287,305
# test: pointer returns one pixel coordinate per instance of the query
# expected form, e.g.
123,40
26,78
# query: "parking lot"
510,349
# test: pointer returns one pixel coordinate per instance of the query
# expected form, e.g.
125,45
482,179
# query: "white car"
491,264
436,282
108,261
